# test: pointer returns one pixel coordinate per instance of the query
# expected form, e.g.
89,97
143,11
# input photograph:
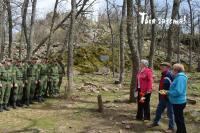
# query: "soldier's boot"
14,105
42,99
1,108
39,99
19,104
31,102
27,103
6,107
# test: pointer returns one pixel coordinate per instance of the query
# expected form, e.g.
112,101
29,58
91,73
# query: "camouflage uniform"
43,80
7,84
20,79
26,92
31,74
61,73
14,89
53,78
1,89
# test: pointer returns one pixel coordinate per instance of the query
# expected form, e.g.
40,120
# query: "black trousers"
143,110
179,117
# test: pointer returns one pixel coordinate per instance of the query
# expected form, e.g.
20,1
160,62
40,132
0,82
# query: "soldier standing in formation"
23,83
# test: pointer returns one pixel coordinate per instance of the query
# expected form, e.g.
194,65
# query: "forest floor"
80,115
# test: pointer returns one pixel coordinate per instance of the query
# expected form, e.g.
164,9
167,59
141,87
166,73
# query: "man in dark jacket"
165,82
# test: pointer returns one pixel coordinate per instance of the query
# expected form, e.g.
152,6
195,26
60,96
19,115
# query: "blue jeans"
163,103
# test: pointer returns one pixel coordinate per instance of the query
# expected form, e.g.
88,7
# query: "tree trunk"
22,37
170,34
51,28
24,25
2,29
198,67
112,38
10,26
31,32
134,50
139,29
100,104
71,47
178,46
191,36
122,42
178,41
163,36
153,39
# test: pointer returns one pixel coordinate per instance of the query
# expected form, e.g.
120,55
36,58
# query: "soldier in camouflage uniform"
20,79
52,86
37,80
7,84
31,74
14,89
55,77
61,71
26,93
43,79
1,89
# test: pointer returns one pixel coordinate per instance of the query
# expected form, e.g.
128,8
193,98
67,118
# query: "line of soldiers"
22,83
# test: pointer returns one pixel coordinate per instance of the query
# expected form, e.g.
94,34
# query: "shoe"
19,104
1,108
42,99
153,125
169,130
27,103
146,121
14,106
6,108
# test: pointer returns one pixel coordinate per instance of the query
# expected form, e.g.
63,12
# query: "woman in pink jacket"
144,88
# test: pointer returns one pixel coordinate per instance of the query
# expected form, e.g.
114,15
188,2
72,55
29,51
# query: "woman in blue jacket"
177,96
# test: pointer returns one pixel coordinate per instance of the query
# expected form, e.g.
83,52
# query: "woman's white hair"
145,62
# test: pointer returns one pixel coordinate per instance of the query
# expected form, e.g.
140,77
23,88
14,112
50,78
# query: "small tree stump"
100,103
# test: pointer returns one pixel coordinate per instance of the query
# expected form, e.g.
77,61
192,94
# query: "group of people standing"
172,95
23,83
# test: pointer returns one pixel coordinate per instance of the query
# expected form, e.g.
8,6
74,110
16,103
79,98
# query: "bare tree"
198,67
134,50
70,46
51,28
122,42
178,29
139,28
10,25
112,37
2,28
82,9
30,40
153,39
163,36
191,35
170,33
